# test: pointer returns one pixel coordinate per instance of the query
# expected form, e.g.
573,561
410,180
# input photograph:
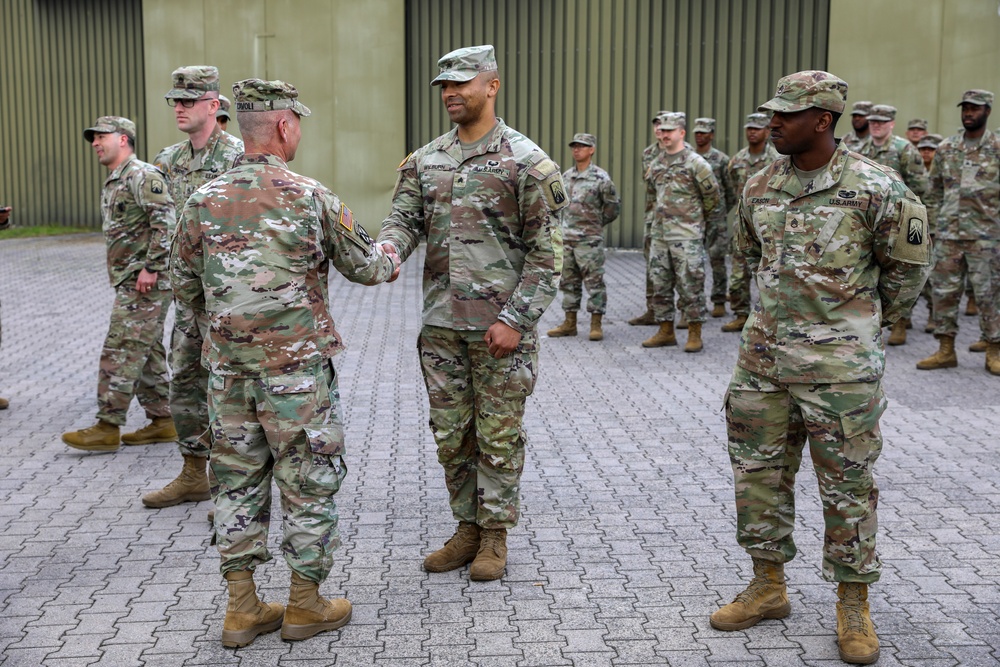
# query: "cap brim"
459,75
668,126
778,104
89,133
860,113
579,143
184,94
756,126
978,104
222,114
301,109
879,119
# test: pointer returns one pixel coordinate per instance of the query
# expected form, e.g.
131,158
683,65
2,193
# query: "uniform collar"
261,158
786,181
450,144
120,169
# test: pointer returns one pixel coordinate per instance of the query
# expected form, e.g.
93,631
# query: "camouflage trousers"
980,262
717,246
678,265
647,240
583,264
133,360
739,286
285,427
477,418
189,381
768,424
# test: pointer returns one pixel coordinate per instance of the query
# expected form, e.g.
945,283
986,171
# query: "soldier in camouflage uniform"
916,130
840,248
859,133
207,153
649,153
593,205
4,224
222,114
687,195
253,253
927,147
716,232
964,201
485,198
137,213
755,156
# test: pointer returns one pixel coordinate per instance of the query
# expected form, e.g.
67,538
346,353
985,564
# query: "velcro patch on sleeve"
912,244
354,231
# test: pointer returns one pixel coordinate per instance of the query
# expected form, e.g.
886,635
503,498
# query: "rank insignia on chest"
915,231
558,194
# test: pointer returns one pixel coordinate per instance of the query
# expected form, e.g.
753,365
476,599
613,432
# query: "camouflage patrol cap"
193,81
672,120
260,95
804,90
224,104
975,96
917,124
930,141
757,120
883,113
466,63
661,112
704,125
583,139
111,125
862,108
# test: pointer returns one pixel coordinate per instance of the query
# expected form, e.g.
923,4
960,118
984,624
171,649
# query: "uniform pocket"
862,436
323,466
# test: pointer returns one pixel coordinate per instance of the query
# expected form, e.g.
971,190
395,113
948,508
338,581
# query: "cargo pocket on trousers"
862,438
323,466
521,374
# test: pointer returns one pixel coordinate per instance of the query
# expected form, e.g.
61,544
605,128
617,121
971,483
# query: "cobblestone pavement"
626,543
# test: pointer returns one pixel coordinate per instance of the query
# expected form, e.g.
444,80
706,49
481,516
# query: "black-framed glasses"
186,103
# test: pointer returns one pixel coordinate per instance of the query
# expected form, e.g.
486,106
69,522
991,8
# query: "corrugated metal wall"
63,64
606,66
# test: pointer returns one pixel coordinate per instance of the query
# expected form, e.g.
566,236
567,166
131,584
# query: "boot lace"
465,531
754,591
851,606
490,539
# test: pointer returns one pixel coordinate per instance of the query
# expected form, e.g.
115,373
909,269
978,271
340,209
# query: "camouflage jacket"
718,161
836,264
253,250
686,192
593,203
137,211
853,141
187,171
741,167
964,193
494,244
649,153
899,154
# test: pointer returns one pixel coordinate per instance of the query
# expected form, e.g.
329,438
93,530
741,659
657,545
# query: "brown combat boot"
735,325
719,310
694,338
664,337
993,358
645,319
943,358
457,551
101,437
596,332
161,429
246,615
567,328
308,613
855,633
491,560
4,404
979,346
765,597
191,486
898,335
970,306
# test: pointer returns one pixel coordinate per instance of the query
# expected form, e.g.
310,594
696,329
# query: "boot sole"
779,612
238,638
560,335
487,576
294,633
593,337
859,659
148,441
190,498
93,448
936,367
673,344
450,565
693,349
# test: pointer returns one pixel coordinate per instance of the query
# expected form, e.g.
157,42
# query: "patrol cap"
193,81
111,125
882,112
672,120
260,95
656,118
975,96
583,139
704,125
224,104
804,90
757,120
862,108
466,63
917,124
930,141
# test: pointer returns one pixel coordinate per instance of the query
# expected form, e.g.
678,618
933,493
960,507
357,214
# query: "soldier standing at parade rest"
137,214
4,224
486,199
749,160
687,194
253,253
649,154
859,133
206,154
964,202
716,232
593,205
840,248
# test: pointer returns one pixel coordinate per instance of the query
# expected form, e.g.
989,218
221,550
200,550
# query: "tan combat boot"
308,613
694,338
664,337
765,597
993,358
596,332
735,325
645,319
855,633
970,306
161,429
979,346
719,310
567,328
898,335
943,358
191,486
4,404
101,437
246,615
491,560
457,551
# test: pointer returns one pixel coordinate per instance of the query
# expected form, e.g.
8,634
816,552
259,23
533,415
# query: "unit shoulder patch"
912,243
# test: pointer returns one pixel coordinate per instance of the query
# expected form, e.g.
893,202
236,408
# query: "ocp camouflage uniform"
494,253
593,205
686,194
835,262
649,154
187,170
254,249
716,229
899,154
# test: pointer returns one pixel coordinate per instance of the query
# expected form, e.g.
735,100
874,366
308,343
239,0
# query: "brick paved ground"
625,547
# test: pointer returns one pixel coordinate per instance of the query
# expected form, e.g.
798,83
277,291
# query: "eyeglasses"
187,104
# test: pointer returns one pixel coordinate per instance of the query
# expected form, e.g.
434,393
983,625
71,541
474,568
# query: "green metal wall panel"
64,63
606,66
